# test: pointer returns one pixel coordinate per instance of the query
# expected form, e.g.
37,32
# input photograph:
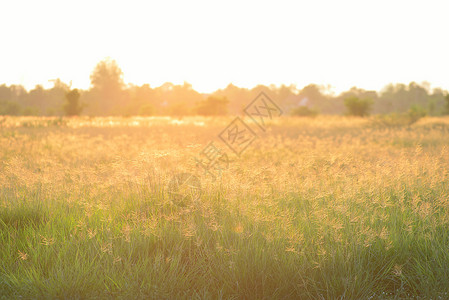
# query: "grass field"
323,208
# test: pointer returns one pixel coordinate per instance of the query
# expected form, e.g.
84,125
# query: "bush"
30,111
179,110
446,107
303,111
146,110
358,107
391,120
415,113
212,106
73,106
10,108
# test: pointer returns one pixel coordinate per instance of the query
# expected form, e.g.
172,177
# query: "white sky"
213,43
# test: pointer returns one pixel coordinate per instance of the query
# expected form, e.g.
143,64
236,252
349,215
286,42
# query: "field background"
324,208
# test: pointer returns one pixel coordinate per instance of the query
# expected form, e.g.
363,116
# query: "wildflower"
238,228
106,248
126,230
117,259
384,233
213,225
91,233
291,249
189,231
397,270
23,256
47,241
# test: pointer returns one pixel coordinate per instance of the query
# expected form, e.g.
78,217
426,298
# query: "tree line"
109,95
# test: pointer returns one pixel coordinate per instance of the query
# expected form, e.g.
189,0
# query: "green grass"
317,209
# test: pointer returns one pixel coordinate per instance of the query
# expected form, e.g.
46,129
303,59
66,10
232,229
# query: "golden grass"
330,207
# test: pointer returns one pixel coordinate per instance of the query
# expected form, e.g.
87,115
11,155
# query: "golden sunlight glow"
211,44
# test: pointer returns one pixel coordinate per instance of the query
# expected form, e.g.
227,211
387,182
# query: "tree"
358,107
238,97
179,109
9,108
146,110
73,107
446,107
415,113
212,106
107,87
107,75
304,111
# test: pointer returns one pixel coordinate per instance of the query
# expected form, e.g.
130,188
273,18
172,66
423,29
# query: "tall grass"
327,208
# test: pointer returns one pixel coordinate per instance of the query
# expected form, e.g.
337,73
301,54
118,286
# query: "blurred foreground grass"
329,207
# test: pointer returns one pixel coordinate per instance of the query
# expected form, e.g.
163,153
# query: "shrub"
73,106
10,108
30,111
212,106
179,109
415,113
303,111
446,107
146,110
358,107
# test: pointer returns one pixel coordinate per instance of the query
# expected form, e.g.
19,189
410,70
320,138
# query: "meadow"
329,207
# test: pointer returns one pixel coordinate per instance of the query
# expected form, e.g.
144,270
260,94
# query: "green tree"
179,109
446,107
108,94
212,106
416,112
304,111
9,108
107,76
358,107
73,107
146,110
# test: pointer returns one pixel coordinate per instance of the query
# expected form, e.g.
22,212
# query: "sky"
210,44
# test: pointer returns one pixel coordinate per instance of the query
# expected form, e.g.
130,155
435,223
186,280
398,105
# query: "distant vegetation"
212,106
73,106
109,95
446,107
303,111
358,107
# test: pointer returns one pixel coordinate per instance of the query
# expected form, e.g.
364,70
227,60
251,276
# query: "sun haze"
211,44
224,149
